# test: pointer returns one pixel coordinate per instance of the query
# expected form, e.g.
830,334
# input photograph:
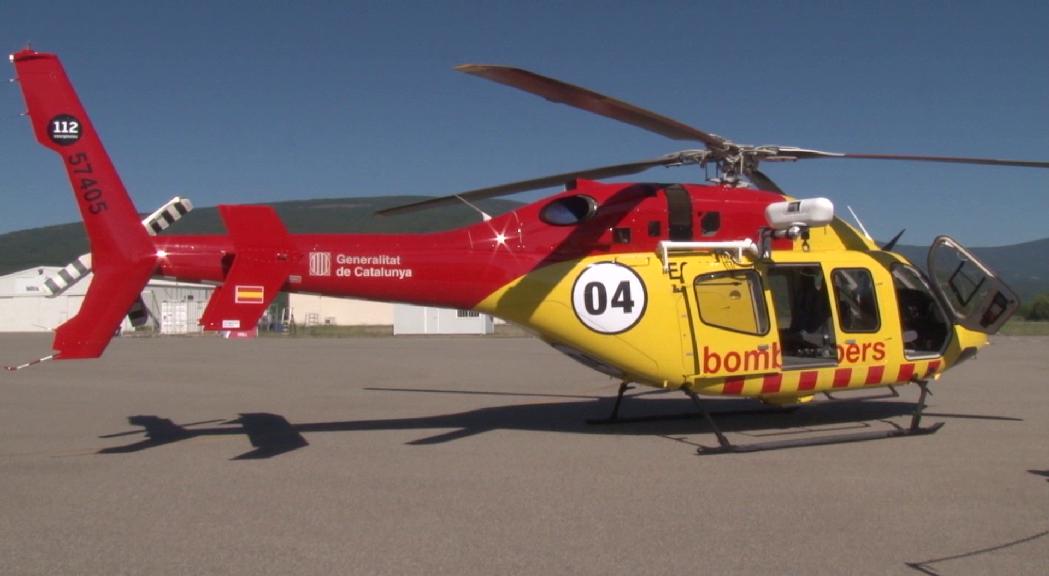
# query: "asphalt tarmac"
470,455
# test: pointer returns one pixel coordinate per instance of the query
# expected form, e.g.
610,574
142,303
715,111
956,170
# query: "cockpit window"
568,210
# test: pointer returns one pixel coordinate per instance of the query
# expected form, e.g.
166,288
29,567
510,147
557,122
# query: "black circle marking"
587,302
64,130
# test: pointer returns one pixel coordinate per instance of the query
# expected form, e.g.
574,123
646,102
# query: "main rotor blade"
536,184
946,159
584,99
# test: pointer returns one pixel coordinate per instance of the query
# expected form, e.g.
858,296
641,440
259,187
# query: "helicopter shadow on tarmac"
646,414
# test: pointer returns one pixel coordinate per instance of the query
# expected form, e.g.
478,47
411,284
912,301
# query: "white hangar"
316,310
174,307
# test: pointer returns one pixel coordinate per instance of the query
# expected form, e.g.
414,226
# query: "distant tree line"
1036,308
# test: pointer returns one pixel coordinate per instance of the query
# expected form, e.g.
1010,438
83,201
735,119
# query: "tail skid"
122,254
28,364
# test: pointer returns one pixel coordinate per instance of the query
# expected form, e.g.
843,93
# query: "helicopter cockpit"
925,326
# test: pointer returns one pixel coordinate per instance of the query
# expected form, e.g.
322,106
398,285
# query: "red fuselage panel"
459,268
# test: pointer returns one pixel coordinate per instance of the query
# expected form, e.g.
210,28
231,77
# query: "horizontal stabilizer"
139,313
262,261
167,215
78,269
74,272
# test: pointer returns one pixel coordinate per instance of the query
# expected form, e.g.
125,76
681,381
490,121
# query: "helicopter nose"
970,338
965,344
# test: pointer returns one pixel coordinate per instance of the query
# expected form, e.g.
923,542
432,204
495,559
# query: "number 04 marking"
609,298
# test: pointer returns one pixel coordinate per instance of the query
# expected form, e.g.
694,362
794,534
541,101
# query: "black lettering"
676,271
622,299
80,159
595,299
89,190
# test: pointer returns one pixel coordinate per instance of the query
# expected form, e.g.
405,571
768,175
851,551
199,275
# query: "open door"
802,302
973,294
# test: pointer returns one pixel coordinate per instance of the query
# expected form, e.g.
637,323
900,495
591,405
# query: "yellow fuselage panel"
693,322
620,310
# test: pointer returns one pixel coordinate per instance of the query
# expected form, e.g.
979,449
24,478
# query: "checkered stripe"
76,270
66,277
167,215
809,381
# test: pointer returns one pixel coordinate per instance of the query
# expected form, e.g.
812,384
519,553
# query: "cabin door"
801,297
731,324
975,297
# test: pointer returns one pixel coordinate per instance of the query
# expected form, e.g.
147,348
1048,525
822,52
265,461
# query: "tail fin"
263,260
122,253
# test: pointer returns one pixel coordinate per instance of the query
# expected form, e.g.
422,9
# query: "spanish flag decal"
249,294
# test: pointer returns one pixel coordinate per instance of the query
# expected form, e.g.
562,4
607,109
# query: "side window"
568,211
732,300
710,223
857,304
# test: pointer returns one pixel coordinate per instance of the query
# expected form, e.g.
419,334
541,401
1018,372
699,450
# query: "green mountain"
58,245
1024,267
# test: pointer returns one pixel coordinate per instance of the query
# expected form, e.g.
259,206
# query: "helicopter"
729,289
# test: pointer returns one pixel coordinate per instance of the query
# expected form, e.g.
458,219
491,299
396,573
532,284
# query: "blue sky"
245,102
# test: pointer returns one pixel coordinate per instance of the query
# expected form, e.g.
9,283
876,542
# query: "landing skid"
728,447
725,446
615,418
831,399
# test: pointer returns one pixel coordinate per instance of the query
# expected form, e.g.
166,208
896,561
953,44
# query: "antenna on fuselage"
860,222
484,215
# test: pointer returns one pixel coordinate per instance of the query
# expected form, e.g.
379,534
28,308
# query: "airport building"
176,307
316,310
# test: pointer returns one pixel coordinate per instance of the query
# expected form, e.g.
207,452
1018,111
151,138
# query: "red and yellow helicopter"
729,289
